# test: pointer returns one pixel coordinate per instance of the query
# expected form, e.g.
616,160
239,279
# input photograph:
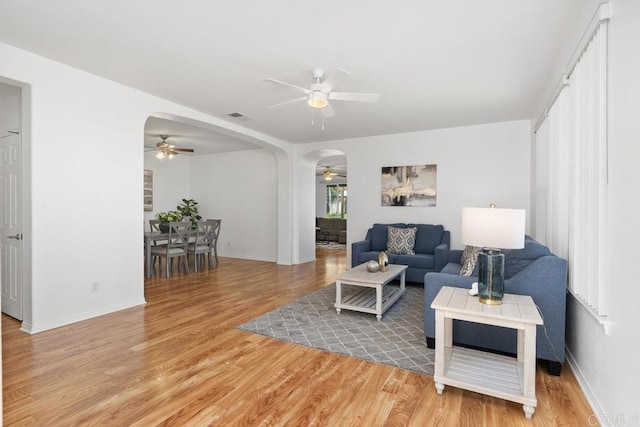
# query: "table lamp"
492,229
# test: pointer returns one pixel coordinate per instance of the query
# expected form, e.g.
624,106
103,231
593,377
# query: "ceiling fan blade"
328,112
350,96
147,148
298,88
183,150
302,98
334,79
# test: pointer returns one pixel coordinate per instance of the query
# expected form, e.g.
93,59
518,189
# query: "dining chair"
217,223
176,246
154,225
205,243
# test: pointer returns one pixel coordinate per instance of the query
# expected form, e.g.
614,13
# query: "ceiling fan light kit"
321,92
317,99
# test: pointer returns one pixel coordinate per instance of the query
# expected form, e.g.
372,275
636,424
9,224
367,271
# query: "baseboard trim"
26,327
584,384
79,317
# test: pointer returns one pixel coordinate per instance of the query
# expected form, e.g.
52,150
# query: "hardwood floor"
180,361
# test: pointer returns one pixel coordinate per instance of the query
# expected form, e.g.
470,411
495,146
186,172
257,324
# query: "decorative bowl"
373,266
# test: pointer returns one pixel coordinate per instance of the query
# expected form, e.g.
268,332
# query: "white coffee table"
374,297
491,374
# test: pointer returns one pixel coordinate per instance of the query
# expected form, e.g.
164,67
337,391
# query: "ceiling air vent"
239,116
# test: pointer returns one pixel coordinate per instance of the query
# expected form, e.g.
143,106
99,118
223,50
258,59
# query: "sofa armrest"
545,280
441,256
433,282
357,248
455,256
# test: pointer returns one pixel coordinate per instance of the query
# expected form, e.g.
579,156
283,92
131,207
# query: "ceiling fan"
165,149
321,92
328,175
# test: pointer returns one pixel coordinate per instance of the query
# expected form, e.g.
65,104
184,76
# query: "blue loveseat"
532,271
431,249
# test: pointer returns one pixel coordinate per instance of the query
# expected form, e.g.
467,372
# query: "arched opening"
233,176
323,217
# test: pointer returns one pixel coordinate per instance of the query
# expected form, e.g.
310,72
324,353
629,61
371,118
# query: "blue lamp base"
491,276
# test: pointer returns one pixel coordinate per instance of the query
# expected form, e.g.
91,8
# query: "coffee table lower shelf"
364,300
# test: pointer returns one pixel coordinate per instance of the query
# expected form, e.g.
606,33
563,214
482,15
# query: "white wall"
9,108
241,189
171,183
321,199
86,147
607,364
477,165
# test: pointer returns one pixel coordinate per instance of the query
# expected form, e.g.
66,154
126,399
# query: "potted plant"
166,217
189,211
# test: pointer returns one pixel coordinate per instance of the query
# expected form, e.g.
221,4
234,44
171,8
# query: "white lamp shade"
493,228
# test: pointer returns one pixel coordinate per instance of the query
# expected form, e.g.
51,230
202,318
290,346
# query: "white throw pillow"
469,260
401,240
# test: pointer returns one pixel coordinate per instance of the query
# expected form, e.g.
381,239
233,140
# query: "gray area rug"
397,340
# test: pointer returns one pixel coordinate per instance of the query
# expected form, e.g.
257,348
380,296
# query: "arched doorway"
323,175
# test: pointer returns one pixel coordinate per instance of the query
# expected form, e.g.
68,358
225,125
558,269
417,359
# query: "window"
571,175
336,201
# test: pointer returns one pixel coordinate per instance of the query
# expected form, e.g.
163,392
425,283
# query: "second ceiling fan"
321,92
328,174
165,149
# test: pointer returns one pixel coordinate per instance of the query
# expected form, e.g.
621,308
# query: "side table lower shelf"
487,373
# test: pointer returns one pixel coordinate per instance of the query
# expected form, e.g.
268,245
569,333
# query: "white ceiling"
434,63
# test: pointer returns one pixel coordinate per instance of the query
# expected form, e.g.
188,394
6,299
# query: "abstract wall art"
409,185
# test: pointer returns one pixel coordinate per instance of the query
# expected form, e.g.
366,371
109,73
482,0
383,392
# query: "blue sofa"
532,271
431,249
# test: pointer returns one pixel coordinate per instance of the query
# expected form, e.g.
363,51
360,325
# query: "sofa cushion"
425,261
373,255
401,240
331,223
469,260
517,259
379,235
428,236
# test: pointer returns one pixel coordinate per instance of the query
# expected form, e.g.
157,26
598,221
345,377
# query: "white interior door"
11,224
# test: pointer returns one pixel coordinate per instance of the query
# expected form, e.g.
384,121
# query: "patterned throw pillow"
469,260
401,240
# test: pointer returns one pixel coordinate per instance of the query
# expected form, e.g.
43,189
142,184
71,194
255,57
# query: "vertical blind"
571,174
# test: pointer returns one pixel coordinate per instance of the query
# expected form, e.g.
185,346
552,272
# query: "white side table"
491,374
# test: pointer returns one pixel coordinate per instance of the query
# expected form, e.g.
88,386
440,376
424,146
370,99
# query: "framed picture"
409,185
148,190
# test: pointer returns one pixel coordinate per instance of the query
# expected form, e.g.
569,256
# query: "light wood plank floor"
179,361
